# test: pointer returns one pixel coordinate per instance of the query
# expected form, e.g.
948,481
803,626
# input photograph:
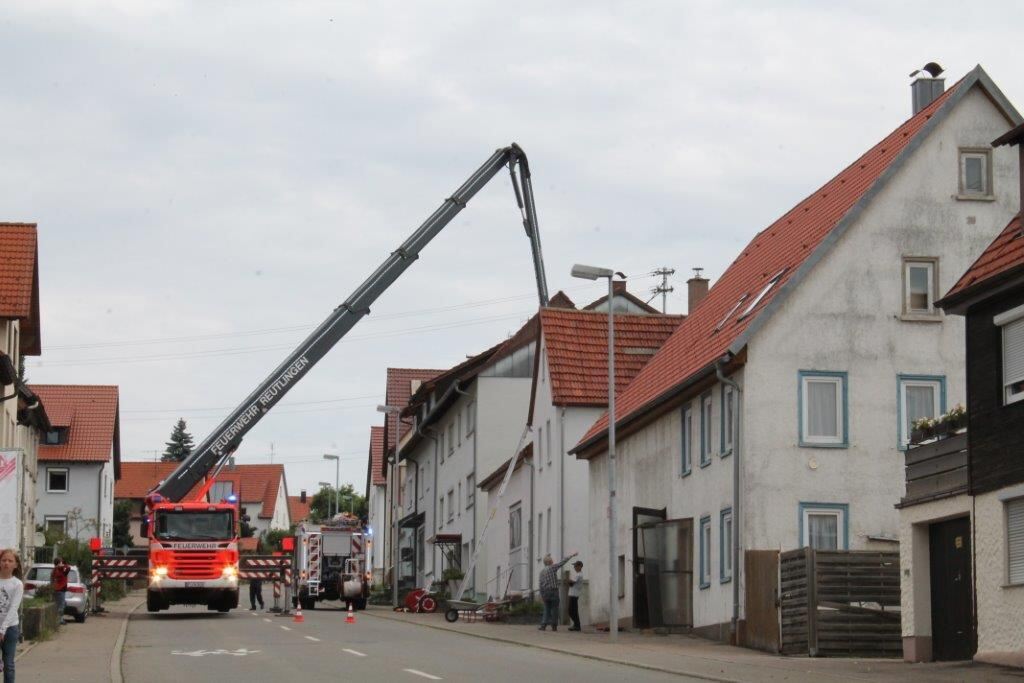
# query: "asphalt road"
191,644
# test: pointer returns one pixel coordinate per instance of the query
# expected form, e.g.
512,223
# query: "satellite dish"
932,68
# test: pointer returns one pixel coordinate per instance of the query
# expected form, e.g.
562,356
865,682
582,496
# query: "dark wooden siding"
996,432
936,470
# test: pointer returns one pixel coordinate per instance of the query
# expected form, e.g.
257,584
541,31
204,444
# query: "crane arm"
226,438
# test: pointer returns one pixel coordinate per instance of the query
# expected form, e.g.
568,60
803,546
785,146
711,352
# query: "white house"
79,459
825,324
376,502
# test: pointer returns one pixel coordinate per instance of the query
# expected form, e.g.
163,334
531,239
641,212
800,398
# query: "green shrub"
526,607
111,589
45,592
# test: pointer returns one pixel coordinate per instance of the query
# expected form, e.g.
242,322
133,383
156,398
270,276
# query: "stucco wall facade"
501,558
1000,605
89,489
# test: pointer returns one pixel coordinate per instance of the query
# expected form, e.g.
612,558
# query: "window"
220,491
515,527
705,430
58,524
451,505
767,288
727,418
57,480
919,278
725,545
470,418
540,536
822,409
440,515
919,396
540,448
440,446
1012,324
470,490
547,444
547,535
451,438
975,173
705,552
458,500
687,441
731,311
622,576
56,436
423,479
458,427
823,526
1015,540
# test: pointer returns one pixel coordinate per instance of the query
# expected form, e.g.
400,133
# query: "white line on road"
420,673
268,620
353,652
285,628
315,640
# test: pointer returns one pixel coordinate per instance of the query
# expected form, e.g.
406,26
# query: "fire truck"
193,546
331,563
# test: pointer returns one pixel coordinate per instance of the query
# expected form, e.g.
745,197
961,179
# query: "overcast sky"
211,179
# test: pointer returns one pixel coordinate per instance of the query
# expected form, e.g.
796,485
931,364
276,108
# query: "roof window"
731,311
767,288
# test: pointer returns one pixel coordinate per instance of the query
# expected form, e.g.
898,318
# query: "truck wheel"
153,602
359,604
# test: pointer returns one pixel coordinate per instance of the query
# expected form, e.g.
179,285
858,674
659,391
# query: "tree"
122,524
323,503
180,445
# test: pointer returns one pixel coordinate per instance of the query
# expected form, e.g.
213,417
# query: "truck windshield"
198,525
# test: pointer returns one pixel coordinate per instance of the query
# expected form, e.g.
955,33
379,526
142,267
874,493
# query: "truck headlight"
160,571
230,572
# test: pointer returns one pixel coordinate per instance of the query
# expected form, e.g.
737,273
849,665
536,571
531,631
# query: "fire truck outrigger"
193,546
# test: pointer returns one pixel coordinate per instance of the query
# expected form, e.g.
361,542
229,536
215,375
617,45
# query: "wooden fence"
840,603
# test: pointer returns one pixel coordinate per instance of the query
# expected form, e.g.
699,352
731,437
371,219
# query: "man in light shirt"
575,587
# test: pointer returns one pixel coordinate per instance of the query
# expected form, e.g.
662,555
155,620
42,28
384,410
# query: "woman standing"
11,590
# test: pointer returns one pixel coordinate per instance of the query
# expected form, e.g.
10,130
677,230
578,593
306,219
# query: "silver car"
77,597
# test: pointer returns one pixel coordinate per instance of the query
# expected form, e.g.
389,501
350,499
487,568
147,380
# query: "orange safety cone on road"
298,619
351,618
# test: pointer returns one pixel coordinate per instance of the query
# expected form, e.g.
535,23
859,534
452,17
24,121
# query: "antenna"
663,288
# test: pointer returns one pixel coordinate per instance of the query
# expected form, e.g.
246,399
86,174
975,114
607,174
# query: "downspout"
561,482
529,560
472,547
719,364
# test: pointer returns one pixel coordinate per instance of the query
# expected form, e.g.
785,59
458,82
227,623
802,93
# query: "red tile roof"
254,484
1004,254
399,390
377,477
90,412
576,347
782,247
19,281
298,511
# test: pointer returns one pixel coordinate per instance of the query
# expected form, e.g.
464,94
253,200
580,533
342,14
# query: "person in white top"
574,596
11,590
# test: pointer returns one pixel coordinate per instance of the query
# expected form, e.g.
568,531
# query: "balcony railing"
936,470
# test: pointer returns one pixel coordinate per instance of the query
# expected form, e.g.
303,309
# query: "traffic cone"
298,619
351,618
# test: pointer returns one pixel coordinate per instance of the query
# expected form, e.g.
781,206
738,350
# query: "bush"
111,589
45,592
526,607
380,595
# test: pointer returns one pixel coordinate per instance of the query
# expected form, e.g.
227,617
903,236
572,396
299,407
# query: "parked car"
77,598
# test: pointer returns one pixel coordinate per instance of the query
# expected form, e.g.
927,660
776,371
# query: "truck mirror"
144,527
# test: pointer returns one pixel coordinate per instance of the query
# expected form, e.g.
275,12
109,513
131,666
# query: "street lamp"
337,482
593,273
392,462
327,485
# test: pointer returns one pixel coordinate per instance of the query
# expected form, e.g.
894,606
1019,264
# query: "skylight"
767,288
731,311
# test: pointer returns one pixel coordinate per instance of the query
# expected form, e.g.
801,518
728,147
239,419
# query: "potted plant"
942,428
957,417
922,429
452,576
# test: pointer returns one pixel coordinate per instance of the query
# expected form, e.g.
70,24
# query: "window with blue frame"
725,545
727,417
825,526
822,409
705,552
687,438
919,396
705,429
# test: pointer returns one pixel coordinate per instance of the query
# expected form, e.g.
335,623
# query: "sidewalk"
78,652
696,657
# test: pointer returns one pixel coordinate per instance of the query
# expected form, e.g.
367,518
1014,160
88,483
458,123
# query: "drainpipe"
735,494
472,547
561,482
529,549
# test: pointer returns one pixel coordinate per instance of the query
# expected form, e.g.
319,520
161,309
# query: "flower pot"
917,436
942,430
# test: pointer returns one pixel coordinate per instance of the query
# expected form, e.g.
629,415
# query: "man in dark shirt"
59,581
549,591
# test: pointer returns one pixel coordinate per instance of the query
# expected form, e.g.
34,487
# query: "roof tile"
90,412
1005,252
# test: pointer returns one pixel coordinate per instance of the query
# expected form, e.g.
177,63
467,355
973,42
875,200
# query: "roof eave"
960,302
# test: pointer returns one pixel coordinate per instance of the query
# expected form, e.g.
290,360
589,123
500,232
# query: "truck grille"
193,564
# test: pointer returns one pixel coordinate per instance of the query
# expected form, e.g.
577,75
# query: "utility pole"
663,288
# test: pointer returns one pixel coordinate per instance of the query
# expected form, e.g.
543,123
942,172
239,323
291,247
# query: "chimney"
302,496
927,86
618,287
696,290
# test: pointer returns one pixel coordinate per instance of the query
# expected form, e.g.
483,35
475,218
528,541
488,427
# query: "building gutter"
719,365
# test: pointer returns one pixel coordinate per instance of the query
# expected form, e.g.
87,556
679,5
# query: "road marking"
286,628
420,673
268,620
353,652
240,652
315,640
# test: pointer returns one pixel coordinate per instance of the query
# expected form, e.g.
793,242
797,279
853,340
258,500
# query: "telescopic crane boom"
213,452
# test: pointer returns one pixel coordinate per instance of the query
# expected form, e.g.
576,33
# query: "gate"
668,572
761,628
840,603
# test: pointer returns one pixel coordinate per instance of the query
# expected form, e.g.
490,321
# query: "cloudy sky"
211,179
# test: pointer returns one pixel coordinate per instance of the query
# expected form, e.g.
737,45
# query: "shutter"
1013,352
1015,539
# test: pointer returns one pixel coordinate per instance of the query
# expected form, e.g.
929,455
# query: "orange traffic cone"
298,619
351,618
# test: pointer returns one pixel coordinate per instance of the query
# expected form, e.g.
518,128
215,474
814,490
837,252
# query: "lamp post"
593,273
337,481
392,476
326,485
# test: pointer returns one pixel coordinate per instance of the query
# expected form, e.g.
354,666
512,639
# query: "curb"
116,675
598,658
28,648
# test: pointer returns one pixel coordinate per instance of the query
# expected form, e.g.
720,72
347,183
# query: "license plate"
193,584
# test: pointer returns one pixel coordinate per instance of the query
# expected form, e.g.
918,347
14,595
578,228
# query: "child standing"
11,590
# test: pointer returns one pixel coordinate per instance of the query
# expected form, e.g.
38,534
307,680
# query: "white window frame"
515,511
470,417
764,290
705,551
707,406
540,448
451,438
1014,542
67,480
56,518
839,513
731,311
985,154
932,266
935,383
1011,319
470,490
547,444
725,545
839,381
451,505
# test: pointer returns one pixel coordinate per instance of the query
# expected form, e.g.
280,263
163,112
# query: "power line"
664,287
282,403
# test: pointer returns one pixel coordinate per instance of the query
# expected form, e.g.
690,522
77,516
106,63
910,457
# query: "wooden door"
953,633
761,572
